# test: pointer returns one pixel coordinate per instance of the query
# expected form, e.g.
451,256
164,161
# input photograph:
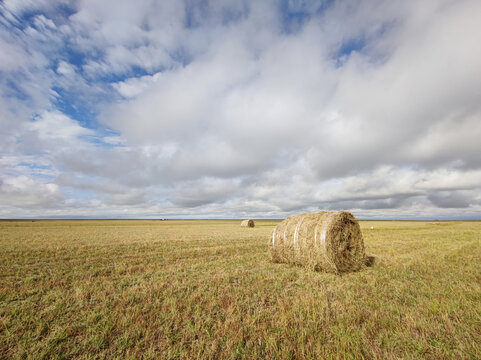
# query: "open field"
206,289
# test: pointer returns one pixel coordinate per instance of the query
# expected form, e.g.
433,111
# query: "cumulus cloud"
24,191
241,108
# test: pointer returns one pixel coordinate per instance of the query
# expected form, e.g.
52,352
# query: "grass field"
206,289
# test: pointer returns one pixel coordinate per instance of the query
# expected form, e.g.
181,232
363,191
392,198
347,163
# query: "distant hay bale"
247,223
323,241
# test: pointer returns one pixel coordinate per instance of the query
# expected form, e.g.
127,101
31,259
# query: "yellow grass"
206,289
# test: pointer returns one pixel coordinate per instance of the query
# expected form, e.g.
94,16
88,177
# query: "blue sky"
208,109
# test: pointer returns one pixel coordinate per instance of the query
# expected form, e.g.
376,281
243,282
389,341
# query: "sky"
237,109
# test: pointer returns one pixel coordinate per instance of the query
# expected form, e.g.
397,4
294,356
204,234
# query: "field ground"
206,289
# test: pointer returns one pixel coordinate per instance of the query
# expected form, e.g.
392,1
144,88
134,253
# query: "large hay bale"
323,241
247,223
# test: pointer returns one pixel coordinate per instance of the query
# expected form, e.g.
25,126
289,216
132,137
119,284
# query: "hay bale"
247,223
323,241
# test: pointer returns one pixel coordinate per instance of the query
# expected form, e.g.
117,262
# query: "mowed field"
207,290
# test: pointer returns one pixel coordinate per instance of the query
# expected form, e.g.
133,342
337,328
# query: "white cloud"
57,126
25,191
236,108
65,69
12,57
133,87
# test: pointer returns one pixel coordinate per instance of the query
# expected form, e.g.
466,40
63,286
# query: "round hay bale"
247,223
323,241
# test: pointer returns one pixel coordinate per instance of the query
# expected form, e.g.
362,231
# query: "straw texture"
323,241
247,223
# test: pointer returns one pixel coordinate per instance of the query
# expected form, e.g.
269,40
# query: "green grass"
206,289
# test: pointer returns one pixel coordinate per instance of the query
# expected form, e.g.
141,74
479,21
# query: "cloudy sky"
119,108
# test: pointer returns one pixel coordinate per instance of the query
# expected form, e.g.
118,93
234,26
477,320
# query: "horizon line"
207,218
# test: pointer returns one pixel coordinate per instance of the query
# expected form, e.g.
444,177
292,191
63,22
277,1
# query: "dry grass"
206,289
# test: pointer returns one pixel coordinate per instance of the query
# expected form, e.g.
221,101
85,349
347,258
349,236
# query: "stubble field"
207,290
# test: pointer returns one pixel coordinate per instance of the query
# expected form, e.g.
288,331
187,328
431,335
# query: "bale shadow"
370,260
